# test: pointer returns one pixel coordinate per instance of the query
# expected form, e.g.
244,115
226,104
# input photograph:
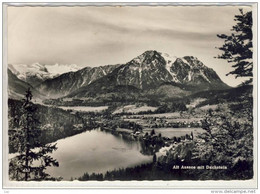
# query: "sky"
96,36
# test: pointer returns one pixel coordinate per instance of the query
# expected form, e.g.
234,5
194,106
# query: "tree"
32,158
227,140
238,46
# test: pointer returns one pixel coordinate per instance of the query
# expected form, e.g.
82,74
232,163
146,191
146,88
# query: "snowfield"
41,71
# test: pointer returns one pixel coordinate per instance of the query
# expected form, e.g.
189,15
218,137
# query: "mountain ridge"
150,69
36,73
70,81
151,72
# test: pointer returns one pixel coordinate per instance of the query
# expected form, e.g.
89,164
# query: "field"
195,102
184,119
84,108
207,107
159,115
134,109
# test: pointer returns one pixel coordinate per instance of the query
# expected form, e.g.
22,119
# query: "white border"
127,184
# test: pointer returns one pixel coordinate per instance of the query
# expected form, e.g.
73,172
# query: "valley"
161,110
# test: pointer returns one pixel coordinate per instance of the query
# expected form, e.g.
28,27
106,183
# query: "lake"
95,151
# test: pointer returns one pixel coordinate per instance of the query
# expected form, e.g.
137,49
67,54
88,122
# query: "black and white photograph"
129,95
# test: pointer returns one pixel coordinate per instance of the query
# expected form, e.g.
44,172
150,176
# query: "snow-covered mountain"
152,69
59,69
36,73
148,73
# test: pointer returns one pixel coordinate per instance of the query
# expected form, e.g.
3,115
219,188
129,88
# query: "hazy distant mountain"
152,69
17,87
36,73
71,81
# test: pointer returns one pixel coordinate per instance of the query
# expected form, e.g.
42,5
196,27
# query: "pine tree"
238,46
227,140
32,159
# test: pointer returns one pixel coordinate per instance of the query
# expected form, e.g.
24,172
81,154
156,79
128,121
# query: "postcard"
128,95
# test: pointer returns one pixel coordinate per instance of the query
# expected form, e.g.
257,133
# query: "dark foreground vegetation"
26,138
149,171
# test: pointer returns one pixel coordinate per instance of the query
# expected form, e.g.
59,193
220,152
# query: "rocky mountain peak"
153,68
147,57
193,61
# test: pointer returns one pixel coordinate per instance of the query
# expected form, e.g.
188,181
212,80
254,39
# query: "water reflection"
95,151
146,147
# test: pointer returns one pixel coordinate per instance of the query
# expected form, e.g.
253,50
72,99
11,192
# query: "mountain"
151,70
71,81
151,73
36,73
17,87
